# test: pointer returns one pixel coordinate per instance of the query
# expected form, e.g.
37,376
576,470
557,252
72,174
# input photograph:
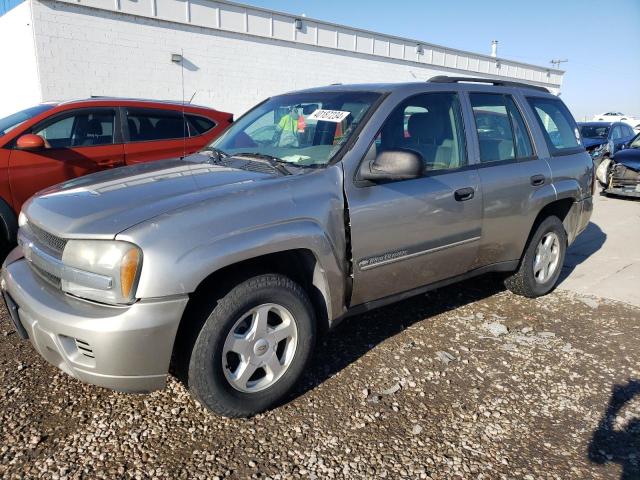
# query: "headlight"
22,219
102,270
602,172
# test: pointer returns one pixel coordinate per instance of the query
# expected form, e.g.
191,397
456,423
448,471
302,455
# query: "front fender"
188,269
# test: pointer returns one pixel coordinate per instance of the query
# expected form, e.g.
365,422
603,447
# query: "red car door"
78,142
156,134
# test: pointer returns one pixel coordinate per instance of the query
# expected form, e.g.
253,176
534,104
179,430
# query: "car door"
156,134
78,142
409,233
514,179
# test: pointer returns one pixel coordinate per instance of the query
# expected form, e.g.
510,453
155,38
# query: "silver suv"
314,206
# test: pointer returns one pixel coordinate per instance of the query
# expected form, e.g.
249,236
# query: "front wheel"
542,261
253,347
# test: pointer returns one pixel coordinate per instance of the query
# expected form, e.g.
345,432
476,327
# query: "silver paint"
192,218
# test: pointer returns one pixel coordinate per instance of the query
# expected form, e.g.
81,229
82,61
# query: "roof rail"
501,83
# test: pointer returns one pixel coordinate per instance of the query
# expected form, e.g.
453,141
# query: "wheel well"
8,227
299,265
559,208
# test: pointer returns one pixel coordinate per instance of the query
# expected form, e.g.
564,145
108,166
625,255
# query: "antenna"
184,117
556,63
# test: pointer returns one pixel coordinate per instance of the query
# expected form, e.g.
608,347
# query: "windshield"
12,121
635,143
305,129
591,131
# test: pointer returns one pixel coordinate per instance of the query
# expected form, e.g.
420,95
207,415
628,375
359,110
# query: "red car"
51,143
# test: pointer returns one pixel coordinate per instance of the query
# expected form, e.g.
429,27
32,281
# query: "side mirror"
30,142
393,165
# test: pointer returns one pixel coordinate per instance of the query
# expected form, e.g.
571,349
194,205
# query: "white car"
618,117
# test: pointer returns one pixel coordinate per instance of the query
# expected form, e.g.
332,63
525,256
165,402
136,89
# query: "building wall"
234,56
19,86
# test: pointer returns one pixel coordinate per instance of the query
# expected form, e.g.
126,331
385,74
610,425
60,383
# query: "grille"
46,276
84,348
48,240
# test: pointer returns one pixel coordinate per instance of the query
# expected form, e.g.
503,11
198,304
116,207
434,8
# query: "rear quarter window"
199,125
558,126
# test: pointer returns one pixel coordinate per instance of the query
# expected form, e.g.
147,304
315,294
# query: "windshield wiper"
216,153
275,162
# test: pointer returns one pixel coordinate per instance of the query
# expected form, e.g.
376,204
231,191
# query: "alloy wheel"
259,348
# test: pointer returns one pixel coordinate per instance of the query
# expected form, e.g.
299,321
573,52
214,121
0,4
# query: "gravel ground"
465,382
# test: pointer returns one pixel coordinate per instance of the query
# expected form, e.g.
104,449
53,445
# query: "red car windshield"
12,121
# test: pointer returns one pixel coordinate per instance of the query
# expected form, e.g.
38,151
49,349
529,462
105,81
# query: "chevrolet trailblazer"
314,206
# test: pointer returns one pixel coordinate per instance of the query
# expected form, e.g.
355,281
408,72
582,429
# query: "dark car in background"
53,142
620,175
604,139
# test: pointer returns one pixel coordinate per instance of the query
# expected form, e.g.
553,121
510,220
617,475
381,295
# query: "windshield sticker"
336,116
295,158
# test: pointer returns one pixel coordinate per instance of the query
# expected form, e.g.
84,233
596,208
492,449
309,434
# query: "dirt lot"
469,381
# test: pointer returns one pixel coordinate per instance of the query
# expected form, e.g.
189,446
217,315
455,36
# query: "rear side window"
199,125
502,133
148,125
559,128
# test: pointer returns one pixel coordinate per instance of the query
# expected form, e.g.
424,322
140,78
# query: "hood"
104,204
629,157
593,142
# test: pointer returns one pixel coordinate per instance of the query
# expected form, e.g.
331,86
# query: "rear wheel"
542,261
253,347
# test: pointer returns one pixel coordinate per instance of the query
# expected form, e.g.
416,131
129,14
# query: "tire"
235,320
530,282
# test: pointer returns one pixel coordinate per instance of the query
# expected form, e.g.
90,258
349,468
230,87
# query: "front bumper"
122,348
623,180
629,191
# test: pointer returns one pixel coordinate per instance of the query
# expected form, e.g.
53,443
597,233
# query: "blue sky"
6,5
600,38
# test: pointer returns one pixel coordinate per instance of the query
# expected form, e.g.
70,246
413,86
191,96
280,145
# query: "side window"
502,133
616,134
429,124
148,125
559,128
80,129
58,134
199,125
521,136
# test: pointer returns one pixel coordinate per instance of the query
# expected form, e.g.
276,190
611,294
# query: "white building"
233,55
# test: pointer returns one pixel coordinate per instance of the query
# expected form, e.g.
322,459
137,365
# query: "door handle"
464,194
537,180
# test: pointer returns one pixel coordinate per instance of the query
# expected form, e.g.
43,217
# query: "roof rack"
501,83
132,99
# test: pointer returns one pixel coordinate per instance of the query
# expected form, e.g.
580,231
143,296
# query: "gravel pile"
465,382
